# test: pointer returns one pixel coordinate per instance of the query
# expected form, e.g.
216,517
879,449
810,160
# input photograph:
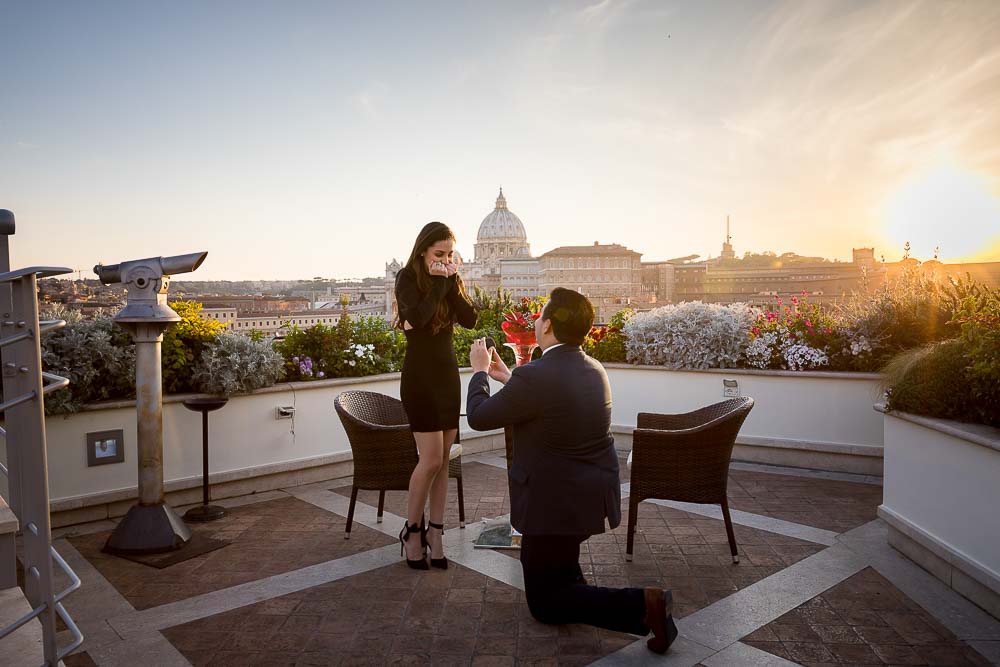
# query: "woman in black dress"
430,298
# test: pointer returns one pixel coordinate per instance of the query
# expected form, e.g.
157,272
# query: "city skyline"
315,141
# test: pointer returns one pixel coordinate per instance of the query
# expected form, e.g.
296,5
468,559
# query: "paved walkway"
816,585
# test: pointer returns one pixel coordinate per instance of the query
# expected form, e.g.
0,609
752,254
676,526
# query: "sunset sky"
293,140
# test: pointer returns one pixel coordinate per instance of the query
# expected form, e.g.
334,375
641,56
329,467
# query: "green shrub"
463,338
312,353
490,306
183,344
388,344
977,314
930,381
607,343
908,312
96,355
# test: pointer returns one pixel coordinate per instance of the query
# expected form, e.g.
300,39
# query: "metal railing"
27,469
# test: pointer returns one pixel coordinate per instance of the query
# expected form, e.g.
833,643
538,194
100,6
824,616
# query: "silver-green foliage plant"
690,335
96,355
234,364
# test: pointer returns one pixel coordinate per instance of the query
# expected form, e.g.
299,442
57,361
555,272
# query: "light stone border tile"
758,521
154,649
743,655
488,458
92,603
364,514
484,561
489,562
989,650
962,617
781,527
734,617
806,472
684,652
137,624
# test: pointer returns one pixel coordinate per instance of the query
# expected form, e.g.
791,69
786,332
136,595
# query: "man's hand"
498,369
479,356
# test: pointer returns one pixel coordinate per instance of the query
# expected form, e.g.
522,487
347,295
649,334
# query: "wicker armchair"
385,452
685,458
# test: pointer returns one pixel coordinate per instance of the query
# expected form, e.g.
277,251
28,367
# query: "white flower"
352,362
761,349
799,357
860,346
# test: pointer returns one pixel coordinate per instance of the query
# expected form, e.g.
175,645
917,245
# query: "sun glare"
948,207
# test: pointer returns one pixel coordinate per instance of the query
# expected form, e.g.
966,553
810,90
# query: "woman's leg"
439,494
429,445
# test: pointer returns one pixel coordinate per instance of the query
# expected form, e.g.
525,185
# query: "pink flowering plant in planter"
606,343
798,336
518,320
520,316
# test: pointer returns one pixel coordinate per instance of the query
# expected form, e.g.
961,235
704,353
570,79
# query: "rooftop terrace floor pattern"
291,590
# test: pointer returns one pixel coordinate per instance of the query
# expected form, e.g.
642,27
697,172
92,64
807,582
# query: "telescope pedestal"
148,529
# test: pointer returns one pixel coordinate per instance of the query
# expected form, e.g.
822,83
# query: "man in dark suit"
564,478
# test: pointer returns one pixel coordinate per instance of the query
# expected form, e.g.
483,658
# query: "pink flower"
755,331
780,302
795,301
808,323
804,293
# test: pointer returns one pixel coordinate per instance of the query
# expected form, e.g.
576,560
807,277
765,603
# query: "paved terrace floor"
816,585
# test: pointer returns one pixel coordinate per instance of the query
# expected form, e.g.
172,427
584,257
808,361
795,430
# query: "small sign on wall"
105,447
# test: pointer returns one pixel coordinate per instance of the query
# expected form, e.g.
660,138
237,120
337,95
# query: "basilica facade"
610,275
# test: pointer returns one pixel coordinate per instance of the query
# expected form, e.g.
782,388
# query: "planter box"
804,419
822,421
942,501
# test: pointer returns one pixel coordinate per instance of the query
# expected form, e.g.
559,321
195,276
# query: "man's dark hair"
571,314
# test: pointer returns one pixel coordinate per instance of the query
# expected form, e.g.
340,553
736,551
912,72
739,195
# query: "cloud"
371,100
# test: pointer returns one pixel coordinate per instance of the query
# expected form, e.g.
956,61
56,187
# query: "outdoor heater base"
148,529
204,513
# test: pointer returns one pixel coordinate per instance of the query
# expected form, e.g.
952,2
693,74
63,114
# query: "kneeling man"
564,478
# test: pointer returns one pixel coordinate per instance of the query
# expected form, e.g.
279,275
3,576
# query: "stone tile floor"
484,489
291,591
267,538
821,503
864,620
388,616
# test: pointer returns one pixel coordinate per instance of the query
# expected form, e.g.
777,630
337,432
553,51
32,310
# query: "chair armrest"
664,422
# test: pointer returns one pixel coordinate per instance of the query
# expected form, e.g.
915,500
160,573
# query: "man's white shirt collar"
551,347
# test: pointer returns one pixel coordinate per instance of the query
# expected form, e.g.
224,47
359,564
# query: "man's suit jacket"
564,478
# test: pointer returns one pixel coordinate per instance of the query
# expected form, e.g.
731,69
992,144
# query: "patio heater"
150,526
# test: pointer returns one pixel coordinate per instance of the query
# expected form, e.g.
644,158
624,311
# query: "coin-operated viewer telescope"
151,526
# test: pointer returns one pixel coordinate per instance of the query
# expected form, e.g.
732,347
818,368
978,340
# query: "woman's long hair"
428,236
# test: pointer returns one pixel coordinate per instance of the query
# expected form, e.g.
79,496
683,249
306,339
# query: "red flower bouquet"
519,327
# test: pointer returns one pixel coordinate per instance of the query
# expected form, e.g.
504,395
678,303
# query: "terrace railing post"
25,362
14,433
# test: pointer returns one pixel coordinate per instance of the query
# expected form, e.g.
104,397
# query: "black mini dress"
430,387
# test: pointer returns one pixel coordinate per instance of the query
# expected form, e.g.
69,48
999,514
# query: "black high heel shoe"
442,562
404,535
